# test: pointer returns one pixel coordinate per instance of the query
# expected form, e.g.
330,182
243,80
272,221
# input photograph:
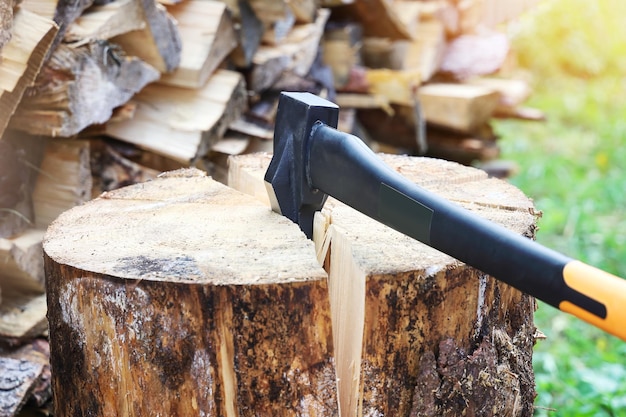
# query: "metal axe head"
287,177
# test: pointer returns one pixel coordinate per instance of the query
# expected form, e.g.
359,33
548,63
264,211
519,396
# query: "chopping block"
182,296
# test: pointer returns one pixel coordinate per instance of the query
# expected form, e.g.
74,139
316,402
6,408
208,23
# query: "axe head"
287,178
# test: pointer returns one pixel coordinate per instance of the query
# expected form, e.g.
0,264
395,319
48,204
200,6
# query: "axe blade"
287,177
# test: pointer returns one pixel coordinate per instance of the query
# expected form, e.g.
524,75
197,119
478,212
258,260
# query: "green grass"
574,167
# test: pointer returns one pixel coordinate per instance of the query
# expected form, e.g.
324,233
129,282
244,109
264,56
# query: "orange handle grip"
602,287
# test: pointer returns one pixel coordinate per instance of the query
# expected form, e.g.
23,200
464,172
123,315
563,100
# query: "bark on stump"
182,297
417,333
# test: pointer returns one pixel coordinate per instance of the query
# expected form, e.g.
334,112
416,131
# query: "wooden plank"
182,123
207,36
21,59
79,87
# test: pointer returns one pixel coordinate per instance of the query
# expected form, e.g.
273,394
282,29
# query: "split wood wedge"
313,160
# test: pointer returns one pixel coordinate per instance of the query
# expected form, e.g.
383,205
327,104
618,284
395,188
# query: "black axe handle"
341,165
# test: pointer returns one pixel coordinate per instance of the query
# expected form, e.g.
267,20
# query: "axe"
313,160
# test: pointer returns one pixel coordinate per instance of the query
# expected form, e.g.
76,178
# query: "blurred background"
573,166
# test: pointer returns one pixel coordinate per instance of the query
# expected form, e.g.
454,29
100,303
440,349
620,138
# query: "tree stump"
416,332
182,297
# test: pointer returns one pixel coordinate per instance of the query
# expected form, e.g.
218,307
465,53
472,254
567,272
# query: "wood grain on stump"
416,332
182,297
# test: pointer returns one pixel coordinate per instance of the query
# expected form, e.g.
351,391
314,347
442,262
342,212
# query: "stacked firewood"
98,94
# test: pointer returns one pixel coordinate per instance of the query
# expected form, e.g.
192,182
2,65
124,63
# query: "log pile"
100,94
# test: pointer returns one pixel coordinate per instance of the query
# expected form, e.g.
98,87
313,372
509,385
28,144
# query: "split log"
106,21
398,87
207,37
269,11
43,8
364,101
181,123
21,59
469,15
64,180
63,12
461,107
18,380
342,50
22,268
465,149
6,23
249,32
398,126
81,86
34,386
296,53
304,10
522,113
495,12
158,43
111,169
424,53
409,13
378,18
22,317
513,93
277,31
415,331
226,313
248,126
15,201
